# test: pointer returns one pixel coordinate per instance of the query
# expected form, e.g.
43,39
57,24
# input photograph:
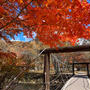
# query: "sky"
23,38
88,1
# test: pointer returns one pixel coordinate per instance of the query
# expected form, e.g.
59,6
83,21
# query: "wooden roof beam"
67,49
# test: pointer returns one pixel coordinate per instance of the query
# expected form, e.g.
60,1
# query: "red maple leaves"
54,21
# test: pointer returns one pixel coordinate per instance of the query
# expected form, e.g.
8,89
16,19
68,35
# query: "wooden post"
87,69
47,71
73,69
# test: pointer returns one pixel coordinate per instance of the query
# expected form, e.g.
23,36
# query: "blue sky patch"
21,37
88,1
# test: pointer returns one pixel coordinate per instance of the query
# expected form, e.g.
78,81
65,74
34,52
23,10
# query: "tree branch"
16,16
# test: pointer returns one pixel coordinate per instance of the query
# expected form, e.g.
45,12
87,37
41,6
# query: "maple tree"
53,21
7,58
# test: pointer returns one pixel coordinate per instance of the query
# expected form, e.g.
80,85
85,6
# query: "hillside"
30,50
19,47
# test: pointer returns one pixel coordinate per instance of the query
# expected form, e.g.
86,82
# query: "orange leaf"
2,10
20,1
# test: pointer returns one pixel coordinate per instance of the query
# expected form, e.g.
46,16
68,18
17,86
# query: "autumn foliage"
7,58
54,21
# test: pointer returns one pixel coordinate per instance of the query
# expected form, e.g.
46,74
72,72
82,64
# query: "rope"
61,71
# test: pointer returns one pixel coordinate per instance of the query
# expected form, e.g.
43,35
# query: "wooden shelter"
47,53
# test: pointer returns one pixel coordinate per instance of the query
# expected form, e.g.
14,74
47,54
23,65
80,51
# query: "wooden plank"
82,63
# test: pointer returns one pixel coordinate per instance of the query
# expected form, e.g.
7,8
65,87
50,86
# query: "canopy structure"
47,53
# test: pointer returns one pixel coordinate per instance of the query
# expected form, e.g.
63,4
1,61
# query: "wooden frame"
87,65
47,53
